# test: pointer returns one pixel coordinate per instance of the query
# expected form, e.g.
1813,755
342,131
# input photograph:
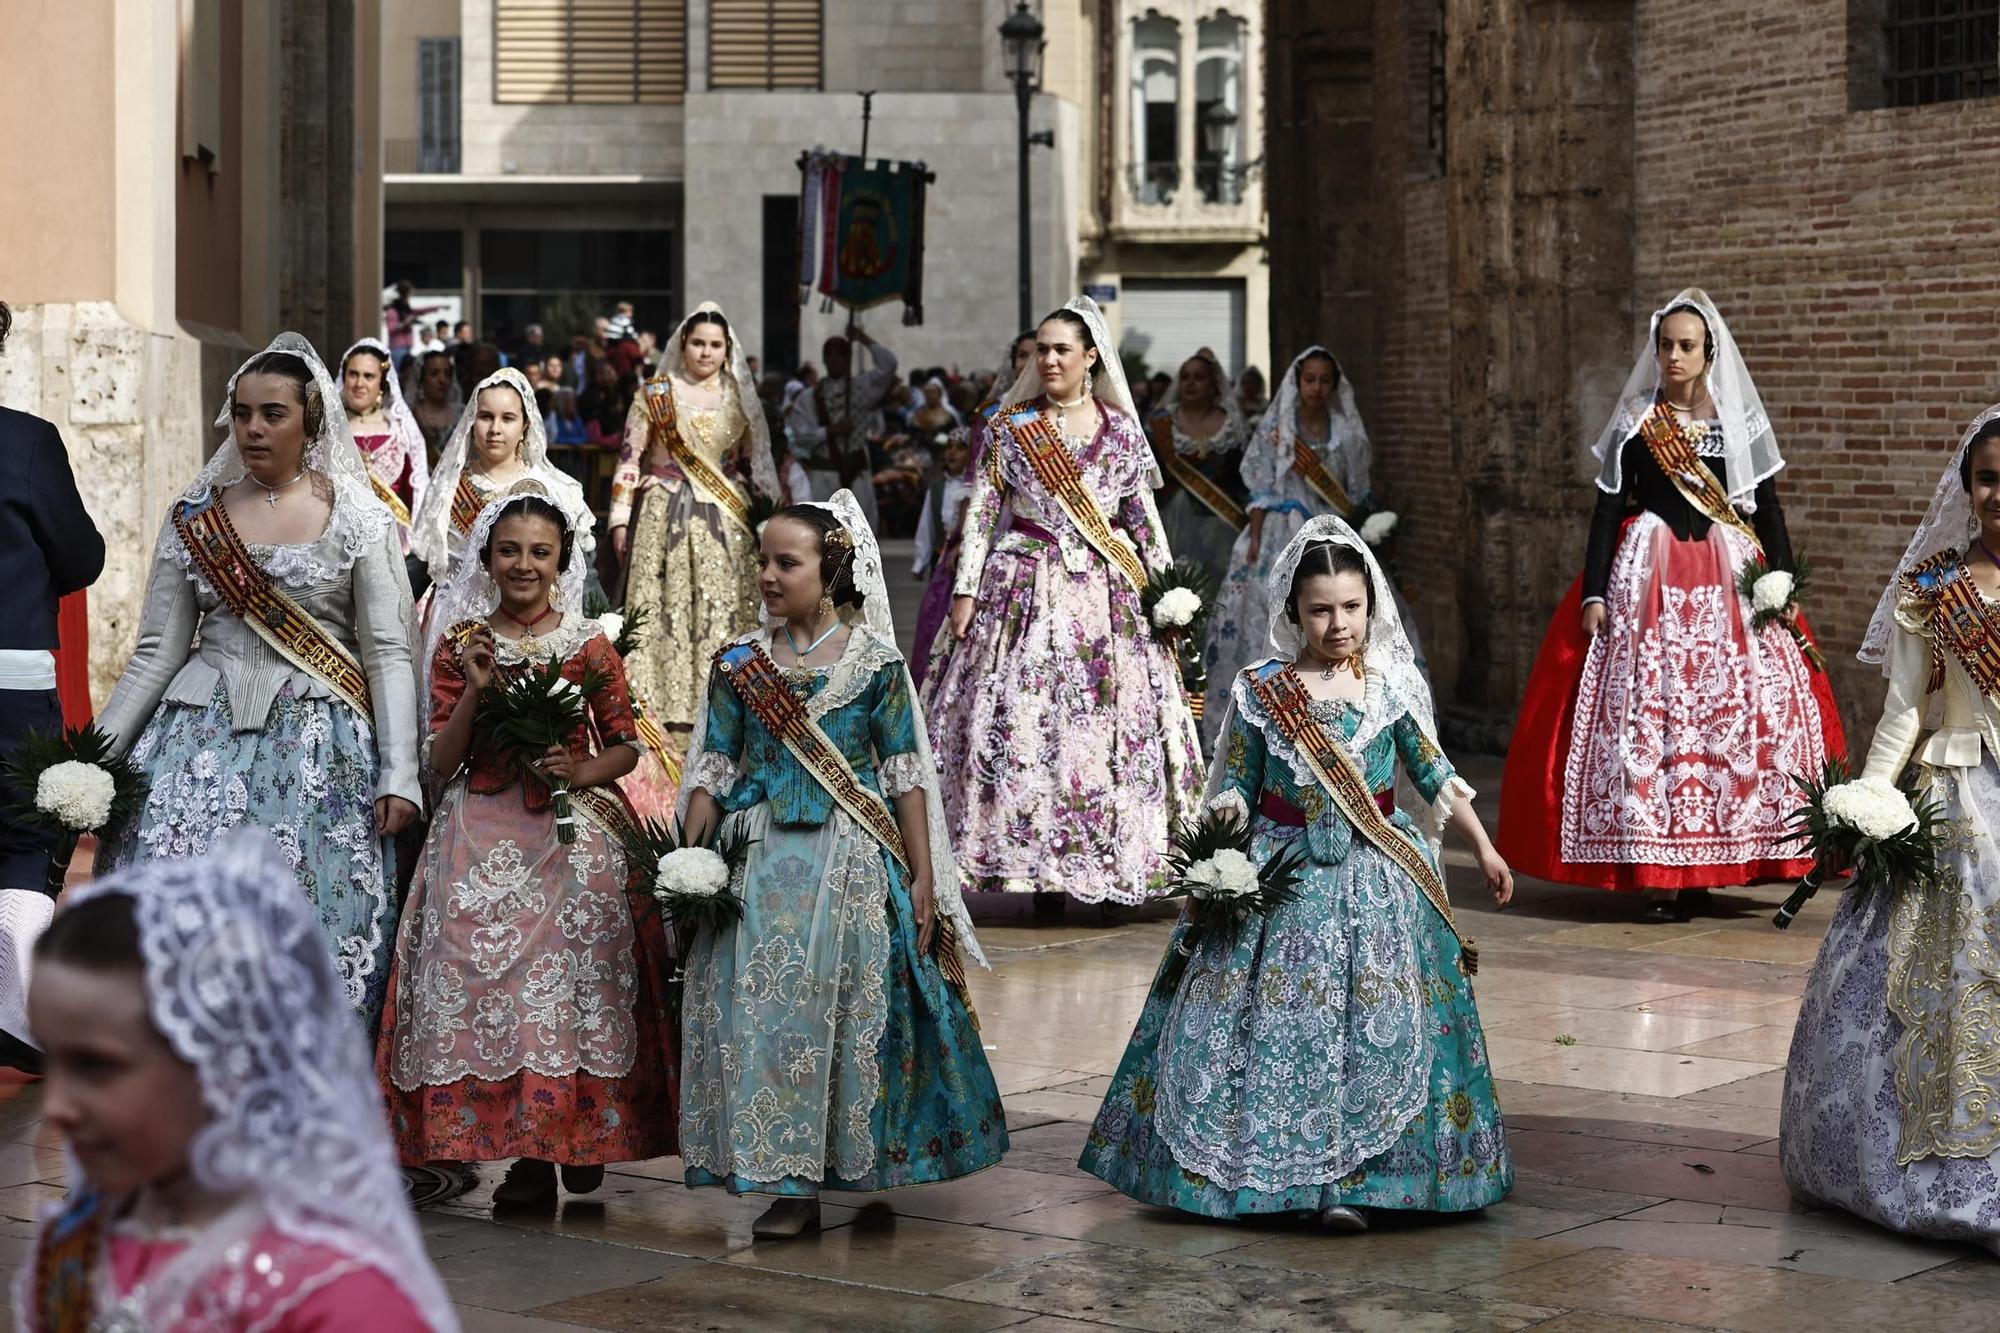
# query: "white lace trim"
866,653
561,643
902,773
713,772
353,527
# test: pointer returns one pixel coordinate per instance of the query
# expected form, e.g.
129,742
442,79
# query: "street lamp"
1021,40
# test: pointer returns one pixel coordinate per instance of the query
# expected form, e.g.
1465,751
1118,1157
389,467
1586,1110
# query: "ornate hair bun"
840,539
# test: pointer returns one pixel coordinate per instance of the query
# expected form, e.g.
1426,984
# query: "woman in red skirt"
1656,746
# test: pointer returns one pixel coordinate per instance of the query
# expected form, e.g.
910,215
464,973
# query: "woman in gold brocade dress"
694,460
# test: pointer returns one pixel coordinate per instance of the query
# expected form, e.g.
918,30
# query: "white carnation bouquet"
1176,603
527,710
66,786
1379,526
1210,863
691,886
1775,596
1888,835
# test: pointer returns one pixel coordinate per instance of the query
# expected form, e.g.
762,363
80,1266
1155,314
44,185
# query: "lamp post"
1021,40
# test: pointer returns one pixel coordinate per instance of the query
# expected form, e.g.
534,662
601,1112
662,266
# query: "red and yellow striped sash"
1675,453
242,585
466,502
1315,473
1961,622
1046,453
387,495
1289,706
705,477
1191,478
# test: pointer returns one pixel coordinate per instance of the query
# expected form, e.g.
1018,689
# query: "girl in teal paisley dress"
828,1043
1325,1058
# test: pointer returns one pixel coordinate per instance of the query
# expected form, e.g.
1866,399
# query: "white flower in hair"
1773,592
76,793
1871,807
1227,874
691,872
1375,529
1176,608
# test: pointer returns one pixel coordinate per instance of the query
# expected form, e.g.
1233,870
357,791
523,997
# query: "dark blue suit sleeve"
69,540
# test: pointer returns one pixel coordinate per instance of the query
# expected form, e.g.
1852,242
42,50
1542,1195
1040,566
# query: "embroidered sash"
66,1257
1191,478
654,738
387,495
1057,470
466,503
249,593
609,812
1960,621
1675,453
1289,706
1312,469
705,477
757,680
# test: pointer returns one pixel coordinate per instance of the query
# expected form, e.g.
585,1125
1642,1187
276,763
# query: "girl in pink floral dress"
1065,742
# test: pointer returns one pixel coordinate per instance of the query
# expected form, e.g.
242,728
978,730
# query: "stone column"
1539,206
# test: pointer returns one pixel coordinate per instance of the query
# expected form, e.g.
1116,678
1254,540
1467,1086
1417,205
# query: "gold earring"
825,606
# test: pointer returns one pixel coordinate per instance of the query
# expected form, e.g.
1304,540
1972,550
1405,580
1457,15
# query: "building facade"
548,158
1484,203
192,178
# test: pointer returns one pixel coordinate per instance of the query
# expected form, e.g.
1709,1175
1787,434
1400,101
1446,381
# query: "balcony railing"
1154,182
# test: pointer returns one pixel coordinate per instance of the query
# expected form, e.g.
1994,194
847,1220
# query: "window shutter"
764,43
437,104
596,51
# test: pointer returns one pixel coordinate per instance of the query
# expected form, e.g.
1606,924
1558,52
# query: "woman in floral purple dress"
1064,740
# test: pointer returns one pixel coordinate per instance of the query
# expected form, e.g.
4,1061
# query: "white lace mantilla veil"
1232,412
401,419
875,620
240,983
430,528
471,594
1281,420
1388,649
763,468
1945,527
357,512
1749,449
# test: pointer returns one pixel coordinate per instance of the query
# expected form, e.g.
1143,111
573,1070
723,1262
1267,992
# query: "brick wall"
1854,254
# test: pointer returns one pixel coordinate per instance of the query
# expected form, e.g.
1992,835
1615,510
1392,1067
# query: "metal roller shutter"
1166,321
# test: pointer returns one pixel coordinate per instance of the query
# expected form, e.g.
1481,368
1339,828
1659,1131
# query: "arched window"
1156,93
1218,108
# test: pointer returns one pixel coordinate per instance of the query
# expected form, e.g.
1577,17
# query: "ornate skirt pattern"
1660,754
1890,1088
308,778
934,611
1060,726
694,570
1328,1054
821,1050
526,1015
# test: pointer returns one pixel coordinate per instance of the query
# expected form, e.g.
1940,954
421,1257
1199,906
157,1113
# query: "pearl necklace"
1060,406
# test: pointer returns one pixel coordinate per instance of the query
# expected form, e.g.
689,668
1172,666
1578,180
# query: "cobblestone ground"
1649,1192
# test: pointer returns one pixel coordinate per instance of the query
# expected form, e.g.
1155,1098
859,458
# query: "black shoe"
1050,906
582,1179
1661,911
1691,903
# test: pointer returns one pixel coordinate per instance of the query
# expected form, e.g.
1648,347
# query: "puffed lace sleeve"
1430,772
166,637
1903,702
625,481
715,768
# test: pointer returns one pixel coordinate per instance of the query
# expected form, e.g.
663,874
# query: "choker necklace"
528,626
1679,407
1353,663
1060,406
1989,553
799,655
270,491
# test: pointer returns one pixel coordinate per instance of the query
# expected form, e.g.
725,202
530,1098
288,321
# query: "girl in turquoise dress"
828,1043
1325,1058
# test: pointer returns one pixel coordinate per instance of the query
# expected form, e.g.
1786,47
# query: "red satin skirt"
1661,755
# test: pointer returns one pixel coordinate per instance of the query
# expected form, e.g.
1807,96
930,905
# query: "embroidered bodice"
1256,761
719,434
1274,483
398,459
1219,457
1116,467
862,702
350,580
1970,720
1649,490
582,646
